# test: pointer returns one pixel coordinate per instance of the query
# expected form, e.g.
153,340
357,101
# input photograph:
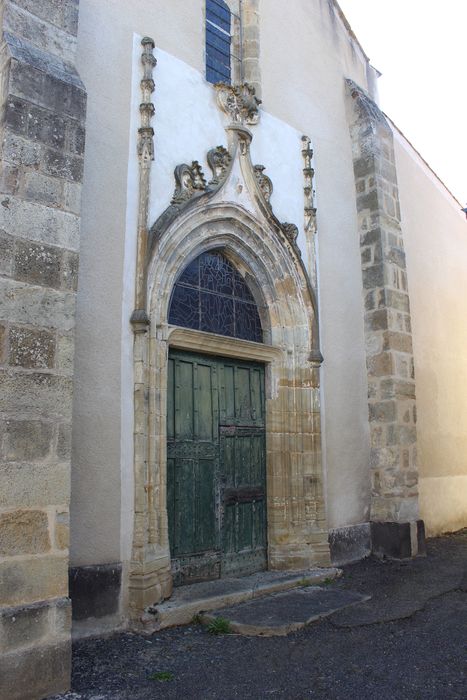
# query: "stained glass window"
211,295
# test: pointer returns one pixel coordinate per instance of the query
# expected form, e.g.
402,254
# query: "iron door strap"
245,494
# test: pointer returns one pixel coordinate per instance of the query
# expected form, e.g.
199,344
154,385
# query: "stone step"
281,613
189,601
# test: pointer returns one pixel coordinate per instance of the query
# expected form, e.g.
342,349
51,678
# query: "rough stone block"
35,673
75,137
64,441
380,365
40,223
24,532
391,539
31,348
37,393
70,265
25,626
40,306
3,344
7,253
29,580
26,485
44,189
38,264
402,342
27,440
9,178
61,13
376,320
95,590
63,165
30,27
65,354
62,530
373,276
20,151
72,196
383,411
348,544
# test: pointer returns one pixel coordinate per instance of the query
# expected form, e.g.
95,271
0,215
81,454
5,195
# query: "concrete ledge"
188,601
95,590
349,544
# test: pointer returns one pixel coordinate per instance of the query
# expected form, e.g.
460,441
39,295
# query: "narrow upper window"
211,295
218,42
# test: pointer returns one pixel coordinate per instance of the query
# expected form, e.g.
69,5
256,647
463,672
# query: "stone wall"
42,105
388,333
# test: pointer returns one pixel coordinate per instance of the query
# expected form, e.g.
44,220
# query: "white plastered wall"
304,62
435,237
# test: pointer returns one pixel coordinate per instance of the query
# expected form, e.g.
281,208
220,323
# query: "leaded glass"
211,295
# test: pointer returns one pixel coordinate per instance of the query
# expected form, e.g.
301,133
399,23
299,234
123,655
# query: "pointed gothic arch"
232,214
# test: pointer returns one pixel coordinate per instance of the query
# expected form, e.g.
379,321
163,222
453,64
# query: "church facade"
231,314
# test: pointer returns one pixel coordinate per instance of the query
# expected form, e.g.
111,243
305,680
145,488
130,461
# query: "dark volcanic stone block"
95,590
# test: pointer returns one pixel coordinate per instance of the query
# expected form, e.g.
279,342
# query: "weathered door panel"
242,468
193,468
216,467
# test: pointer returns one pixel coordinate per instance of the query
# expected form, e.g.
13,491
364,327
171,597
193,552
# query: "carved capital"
146,143
239,102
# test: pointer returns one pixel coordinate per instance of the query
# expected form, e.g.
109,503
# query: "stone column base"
398,540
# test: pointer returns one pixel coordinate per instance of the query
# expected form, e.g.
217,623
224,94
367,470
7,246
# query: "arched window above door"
211,295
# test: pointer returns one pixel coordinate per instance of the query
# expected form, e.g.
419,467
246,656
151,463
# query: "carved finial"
308,191
239,102
145,141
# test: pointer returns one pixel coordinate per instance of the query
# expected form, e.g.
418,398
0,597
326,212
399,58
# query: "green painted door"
216,474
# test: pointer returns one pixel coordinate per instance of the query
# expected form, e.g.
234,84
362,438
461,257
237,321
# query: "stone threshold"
279,614
198,598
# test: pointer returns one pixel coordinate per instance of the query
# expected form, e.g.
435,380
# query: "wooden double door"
216,467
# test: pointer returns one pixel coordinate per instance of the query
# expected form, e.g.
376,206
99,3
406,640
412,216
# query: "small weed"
304,582
161,676
197,619
327,581
220,625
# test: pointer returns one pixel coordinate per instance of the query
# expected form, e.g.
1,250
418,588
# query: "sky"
420,47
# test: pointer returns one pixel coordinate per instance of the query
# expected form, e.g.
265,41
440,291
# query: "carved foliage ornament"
264,182
239,102
219,160
189,180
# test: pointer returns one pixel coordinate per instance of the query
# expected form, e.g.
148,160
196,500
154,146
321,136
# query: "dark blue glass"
247,322
184,307
212,296
216,273
217,314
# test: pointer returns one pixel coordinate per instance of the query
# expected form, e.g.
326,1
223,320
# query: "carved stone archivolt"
239,102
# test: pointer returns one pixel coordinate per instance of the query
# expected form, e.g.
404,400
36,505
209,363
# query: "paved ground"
409,642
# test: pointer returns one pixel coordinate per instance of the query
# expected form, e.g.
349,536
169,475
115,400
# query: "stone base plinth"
398,540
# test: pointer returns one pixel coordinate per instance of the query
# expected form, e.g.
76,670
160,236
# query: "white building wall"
305,57
435,237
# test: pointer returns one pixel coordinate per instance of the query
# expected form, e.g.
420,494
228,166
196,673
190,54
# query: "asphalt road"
409,642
